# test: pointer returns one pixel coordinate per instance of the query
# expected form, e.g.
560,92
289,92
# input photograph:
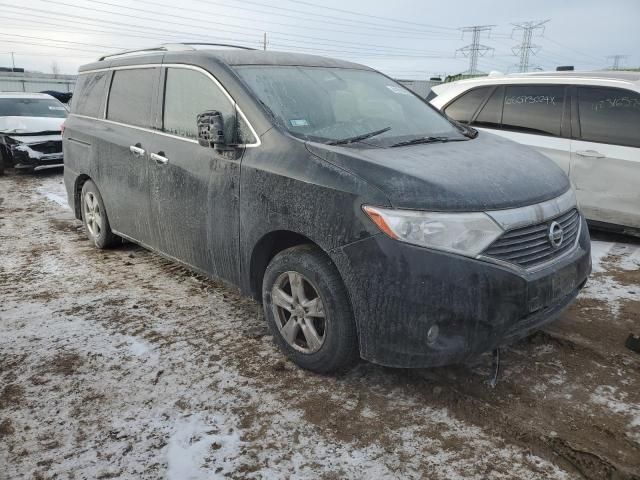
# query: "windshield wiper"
419,140
357,138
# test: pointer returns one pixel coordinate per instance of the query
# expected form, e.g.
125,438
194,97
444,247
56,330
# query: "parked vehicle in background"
30,131
63,97
587,122
366,222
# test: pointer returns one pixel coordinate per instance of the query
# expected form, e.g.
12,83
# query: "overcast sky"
404,38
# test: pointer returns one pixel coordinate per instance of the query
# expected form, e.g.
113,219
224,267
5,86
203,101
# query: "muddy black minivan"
367,223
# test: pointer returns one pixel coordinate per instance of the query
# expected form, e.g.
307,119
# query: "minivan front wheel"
94,216
308,311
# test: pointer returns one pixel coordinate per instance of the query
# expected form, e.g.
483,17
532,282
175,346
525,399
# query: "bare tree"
55,68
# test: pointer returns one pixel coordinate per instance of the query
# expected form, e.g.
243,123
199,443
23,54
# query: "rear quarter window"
464,107
491,114
131,96
609,115
89,94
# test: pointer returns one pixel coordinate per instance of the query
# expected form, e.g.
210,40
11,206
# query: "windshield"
332,104
31,107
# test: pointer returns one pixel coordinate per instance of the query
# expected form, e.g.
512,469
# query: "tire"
1,163
94,216
314,296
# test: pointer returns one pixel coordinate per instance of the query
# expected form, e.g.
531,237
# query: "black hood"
486,173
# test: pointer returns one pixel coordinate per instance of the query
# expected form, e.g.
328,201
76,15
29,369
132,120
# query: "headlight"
463,233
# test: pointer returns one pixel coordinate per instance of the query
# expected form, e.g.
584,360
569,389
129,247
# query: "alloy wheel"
92,214
299,312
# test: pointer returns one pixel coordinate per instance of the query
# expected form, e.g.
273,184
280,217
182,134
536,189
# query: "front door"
195,189
606,155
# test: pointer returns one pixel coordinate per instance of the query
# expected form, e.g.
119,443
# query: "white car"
587,122
30,131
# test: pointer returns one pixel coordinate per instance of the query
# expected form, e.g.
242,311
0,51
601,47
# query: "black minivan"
367,223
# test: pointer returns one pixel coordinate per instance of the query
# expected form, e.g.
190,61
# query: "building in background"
14,80
420,87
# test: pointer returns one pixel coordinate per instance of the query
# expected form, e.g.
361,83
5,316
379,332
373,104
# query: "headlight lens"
463,233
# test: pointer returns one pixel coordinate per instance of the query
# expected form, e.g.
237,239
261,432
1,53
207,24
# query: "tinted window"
31,107
131,96
491,114
90,92
533,109
609,115
188,93
463,108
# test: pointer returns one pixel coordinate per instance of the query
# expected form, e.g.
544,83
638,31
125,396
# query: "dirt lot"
119,364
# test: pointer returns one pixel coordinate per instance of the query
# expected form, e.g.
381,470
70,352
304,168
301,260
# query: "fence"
35,82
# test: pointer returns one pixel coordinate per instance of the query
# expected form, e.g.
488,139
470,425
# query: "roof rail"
172,47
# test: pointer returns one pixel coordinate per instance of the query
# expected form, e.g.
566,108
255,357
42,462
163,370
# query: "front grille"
52,146
530,246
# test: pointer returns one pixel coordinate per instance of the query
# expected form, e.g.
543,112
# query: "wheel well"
267,248
77,191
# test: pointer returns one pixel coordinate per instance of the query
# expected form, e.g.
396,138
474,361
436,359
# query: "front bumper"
27,156
399,291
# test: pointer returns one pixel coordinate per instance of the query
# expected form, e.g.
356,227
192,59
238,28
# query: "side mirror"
211,129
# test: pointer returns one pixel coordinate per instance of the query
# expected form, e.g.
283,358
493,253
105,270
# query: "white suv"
587,122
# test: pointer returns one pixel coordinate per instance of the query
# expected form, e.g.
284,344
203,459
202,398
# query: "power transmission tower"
526,48
475,49
617,61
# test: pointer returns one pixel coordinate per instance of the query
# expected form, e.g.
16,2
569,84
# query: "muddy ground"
119,364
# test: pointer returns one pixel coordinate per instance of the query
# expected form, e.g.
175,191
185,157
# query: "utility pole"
13,61
526,48
475,49
617,61
264,41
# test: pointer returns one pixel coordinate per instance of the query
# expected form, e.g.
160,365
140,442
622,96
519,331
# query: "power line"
360,14
357,46
617,61
526,48
579,52
475,49
341,18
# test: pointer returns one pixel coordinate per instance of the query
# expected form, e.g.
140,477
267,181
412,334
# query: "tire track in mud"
368,406
476,397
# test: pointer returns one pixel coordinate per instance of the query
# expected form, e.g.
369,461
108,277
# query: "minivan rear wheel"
308,311
94,216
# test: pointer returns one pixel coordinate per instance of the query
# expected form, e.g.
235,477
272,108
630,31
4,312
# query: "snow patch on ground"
57,196
615,402
608,257
599,250
196,439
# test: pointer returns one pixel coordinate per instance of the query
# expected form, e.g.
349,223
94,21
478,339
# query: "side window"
89,94
609,115
131,96
491,114
188,93
463,108
533,109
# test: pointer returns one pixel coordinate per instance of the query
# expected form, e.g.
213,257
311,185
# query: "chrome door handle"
590,154
137,150
159,159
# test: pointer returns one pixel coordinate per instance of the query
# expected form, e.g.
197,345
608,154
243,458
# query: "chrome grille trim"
533,215
528,247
